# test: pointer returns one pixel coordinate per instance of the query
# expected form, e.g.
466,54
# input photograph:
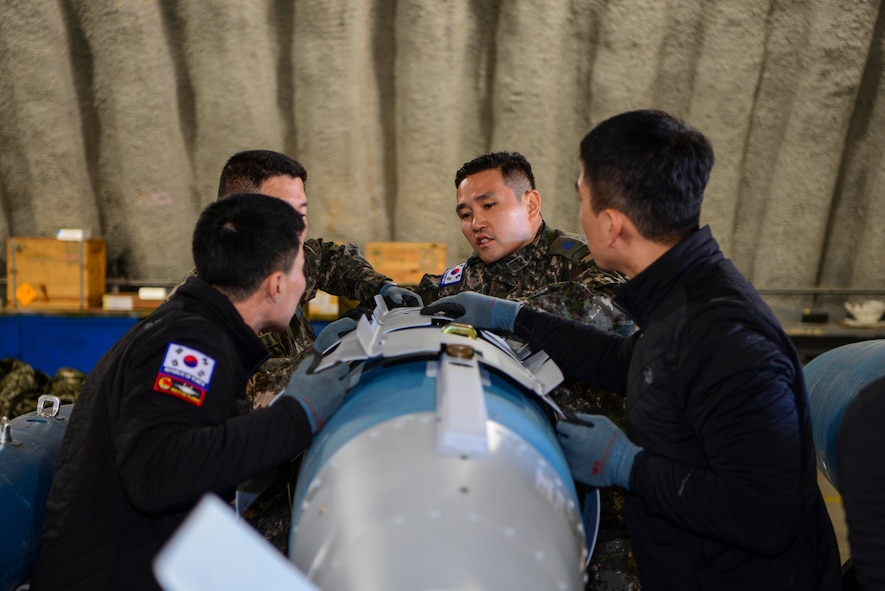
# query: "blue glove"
320,393
480,311
332,333
597,451
399,297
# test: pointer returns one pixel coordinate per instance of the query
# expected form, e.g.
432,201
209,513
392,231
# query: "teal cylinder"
834,380
27,463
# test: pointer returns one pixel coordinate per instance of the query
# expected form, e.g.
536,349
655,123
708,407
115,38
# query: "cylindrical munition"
440,471
29,446
834,379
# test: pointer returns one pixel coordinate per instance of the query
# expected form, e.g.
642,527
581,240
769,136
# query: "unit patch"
185,373
453,275
569,247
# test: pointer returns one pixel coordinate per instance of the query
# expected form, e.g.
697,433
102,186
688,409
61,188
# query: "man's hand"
320,393
480,311
332,333
399,297
597,451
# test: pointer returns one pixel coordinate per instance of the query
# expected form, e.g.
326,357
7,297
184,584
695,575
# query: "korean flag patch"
185,373
453,275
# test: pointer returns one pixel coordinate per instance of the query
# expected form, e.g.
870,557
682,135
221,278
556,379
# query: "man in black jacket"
717,459
861,477
162,418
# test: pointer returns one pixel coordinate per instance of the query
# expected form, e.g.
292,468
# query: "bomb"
441,470
29,447
834,380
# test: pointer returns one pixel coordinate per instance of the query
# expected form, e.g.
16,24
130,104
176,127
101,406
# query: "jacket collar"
640,296
218,308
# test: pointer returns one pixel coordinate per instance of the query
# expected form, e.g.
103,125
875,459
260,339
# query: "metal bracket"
45,399
460,404
384,336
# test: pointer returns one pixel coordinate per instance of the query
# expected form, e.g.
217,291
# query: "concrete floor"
837,514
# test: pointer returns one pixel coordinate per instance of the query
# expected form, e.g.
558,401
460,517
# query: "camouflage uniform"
337,269
557,273
21,385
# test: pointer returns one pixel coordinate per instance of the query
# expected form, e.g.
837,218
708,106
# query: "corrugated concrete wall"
117,115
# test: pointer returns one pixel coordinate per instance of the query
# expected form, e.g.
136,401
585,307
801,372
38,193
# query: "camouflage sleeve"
428,288
584,293
588,273
578,302
340,269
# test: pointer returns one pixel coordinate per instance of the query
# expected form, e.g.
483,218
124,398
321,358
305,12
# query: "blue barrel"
834,380
29,447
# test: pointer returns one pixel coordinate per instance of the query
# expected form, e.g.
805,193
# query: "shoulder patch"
453,275
570,247
185,373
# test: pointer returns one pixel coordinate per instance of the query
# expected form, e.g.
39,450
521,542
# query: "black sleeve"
170,451
597,357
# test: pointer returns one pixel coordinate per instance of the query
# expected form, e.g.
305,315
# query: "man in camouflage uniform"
518,257
337,269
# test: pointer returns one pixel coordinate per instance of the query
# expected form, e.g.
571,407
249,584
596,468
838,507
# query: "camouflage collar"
513,265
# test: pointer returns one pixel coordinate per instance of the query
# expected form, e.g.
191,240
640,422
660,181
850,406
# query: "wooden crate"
407,262
58,274
323,306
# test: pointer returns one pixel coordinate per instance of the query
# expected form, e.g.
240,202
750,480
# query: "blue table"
48,340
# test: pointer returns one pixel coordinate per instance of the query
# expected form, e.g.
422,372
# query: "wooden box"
324,306
407,262
58,274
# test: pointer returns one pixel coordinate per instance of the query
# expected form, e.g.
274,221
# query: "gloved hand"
334,331
399,297
598,455
480,311
320,393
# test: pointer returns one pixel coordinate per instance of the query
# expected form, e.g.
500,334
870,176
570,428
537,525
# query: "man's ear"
618,226
274,285
533,203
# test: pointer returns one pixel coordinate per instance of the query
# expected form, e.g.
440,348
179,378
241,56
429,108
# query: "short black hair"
239,240
650,166
245,171
515,170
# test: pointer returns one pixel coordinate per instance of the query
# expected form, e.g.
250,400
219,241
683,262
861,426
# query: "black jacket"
861,480
161,420
725,494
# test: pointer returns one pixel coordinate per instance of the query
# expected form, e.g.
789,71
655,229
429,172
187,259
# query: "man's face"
289,189
593,224
495,221
295,284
